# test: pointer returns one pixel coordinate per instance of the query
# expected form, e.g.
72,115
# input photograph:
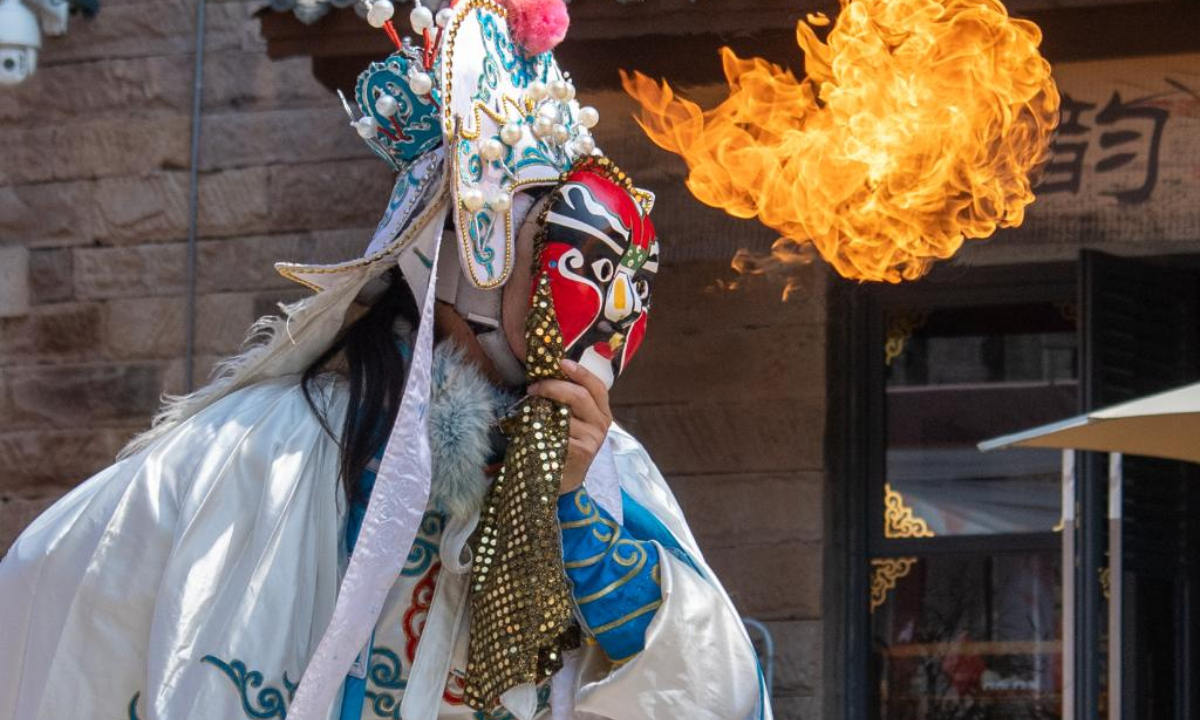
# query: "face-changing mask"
600,253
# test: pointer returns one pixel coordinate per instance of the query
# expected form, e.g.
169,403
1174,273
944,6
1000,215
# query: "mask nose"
622,300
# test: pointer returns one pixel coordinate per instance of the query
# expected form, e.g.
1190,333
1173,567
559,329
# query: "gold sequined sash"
522,616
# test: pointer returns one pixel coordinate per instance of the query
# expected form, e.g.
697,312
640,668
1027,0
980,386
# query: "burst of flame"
918,125
783,263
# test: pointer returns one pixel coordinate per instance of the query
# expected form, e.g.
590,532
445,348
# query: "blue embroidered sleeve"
614,577
644,525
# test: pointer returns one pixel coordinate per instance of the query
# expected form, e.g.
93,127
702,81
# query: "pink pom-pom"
537,25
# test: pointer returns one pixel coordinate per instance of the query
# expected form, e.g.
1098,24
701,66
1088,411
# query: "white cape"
194,579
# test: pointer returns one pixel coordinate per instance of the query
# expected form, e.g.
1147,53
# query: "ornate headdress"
500,121
480,122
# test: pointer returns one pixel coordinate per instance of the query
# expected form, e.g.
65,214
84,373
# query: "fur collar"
463,409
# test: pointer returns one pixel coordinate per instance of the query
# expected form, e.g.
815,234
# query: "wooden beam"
679,40
609,19
605,19
343,32
1070,34
340,33
1127,30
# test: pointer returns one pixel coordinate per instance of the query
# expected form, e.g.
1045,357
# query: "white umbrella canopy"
1166,425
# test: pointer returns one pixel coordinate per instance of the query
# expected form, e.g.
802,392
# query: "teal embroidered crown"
400,108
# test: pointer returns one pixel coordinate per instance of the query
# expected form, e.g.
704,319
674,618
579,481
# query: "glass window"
966,586
958,376
971,636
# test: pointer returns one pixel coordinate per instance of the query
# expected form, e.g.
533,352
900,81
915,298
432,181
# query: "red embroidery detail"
455,687
418,610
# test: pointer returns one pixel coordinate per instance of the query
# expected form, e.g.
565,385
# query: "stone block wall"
728,395
94,153
728,392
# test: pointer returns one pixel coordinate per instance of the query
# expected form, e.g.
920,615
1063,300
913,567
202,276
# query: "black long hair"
374,373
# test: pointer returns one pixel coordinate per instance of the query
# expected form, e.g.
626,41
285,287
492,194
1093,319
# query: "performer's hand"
587,398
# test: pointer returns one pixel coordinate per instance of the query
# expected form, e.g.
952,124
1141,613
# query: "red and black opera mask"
600,252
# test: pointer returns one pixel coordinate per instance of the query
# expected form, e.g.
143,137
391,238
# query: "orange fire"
918,125
784,261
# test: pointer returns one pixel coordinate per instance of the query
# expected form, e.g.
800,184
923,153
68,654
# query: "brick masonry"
728,393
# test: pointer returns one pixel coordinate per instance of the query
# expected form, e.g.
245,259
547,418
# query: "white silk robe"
194,579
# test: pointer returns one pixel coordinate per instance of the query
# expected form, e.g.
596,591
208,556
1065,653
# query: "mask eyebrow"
594,208
572,223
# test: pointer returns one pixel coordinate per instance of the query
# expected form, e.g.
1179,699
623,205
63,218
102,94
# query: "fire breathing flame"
918,125
784,263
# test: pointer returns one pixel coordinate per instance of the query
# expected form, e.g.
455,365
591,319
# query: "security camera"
20,39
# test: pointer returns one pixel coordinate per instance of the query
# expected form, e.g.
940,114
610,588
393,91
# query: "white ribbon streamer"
431,666
393,516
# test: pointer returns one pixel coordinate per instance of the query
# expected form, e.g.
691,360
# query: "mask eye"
643,289
602,269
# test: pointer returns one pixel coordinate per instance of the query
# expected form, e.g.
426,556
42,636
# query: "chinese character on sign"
1125,156
1068,149
1125,142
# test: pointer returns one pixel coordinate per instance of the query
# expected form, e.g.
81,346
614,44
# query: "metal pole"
189,373
1068,584
1115,571
1091,487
